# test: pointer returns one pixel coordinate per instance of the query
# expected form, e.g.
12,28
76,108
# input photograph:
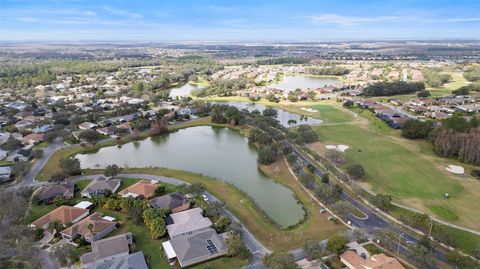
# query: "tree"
20,168
89,135
236,246
336,156
270,112
158,127
157,227
325,178
293,96
311,168
267,155
135,214
421,256
356,171
414,129
291,122
112,170
423,94
59,200
279,260
342,208
54,225
37,153
71,166
382,201
160,190
222,224
336,244
12,144
214,209
313,250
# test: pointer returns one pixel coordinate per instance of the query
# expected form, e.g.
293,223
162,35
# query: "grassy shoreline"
241,205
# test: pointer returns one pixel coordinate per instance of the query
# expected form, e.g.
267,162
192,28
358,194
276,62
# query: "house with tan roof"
92,228
378,261
32,139
143,188
65,214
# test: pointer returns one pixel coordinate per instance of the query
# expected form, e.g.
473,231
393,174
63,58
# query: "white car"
205,198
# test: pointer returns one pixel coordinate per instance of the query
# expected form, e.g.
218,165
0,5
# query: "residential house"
378,261
43,129
195,248
92,228
143,188
24,124
65,214
107,249
87,126
99,185
109,130
48,193
132,261
3,154
176,202
32,139
187,222
191,238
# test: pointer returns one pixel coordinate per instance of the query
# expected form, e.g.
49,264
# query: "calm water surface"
216,152
283,116
184,90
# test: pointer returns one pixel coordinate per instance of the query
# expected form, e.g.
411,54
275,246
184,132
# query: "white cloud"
355,20
121,12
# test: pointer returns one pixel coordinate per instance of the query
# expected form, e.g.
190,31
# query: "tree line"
393,88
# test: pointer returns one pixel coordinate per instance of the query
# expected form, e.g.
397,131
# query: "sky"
240,20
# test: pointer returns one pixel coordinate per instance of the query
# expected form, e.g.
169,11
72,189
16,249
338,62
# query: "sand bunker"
309,109
341,148
455,169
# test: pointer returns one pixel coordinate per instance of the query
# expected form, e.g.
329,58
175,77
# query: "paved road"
38,164
373,222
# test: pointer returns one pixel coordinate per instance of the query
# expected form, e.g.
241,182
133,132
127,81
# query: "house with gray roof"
176,202
135,260
48,193
199,247
107,249
99,185
187,222
192,240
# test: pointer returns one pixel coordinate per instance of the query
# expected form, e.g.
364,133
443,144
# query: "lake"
184,90
216,152
283,116
290,83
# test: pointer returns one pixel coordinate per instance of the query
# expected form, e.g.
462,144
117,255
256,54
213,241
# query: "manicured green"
444,212
330,114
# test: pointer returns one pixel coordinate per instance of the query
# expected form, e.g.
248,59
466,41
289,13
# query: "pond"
283,116
184,90
290,83
216,152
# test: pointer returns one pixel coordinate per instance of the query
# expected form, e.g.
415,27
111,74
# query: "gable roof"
66,190
171,201
187,221
65,214
102,183
81,228
196,248
144,187
135,260
107,247
379,261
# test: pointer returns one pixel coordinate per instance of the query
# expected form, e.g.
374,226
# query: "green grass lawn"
80,186
406,169
221,263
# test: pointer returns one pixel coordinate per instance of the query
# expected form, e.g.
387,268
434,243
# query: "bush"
58,176
415,129
356,171
424,94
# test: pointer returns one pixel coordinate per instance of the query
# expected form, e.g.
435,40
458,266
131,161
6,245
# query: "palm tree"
54,225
